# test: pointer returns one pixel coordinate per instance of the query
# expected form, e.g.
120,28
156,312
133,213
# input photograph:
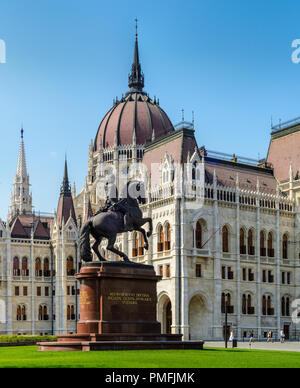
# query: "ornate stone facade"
224,230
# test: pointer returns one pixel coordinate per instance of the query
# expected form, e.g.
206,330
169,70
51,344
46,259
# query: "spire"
136,78
21,166
65,189
65,208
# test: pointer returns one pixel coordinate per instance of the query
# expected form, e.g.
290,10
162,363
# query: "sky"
229,61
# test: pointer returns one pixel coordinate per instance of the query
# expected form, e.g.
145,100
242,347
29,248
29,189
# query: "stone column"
258,272
217,255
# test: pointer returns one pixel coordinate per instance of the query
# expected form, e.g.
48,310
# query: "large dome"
135,115
135,118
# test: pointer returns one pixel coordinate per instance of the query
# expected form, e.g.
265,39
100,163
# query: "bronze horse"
123,216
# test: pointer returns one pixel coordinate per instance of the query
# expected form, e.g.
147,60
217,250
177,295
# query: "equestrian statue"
118,215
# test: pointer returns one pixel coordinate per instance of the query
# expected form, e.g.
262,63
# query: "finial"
136,27
193,118
22,132
182,111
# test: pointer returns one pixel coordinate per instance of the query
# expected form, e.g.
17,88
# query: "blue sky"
229,61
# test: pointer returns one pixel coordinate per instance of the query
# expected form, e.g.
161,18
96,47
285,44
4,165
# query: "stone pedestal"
118,311
118,298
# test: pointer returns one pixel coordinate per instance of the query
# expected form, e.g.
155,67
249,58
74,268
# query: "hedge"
26,338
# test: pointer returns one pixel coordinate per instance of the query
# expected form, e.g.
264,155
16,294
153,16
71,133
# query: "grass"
29,357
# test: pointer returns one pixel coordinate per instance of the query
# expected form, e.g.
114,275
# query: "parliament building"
225,228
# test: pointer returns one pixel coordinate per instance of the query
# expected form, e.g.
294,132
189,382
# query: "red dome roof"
136,111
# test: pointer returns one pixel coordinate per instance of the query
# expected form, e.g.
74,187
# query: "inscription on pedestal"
129,297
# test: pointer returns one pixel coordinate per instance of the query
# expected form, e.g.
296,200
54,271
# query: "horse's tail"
84,244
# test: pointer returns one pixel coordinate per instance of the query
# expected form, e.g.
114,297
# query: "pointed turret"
65,208
136,78
66,187
21,199
21,166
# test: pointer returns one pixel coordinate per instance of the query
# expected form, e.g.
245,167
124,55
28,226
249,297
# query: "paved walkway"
287,346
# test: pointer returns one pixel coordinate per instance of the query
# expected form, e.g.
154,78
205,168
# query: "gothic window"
264,305
244,304
194,171
270,245
199,235
285,306
38,267
70,266
285,246
25,270
141,245
168,271
70,313
160,238
135,244
21,313
242,242
224,298
168,237
262,244
43,313
16,266
225,239
251,249
46,268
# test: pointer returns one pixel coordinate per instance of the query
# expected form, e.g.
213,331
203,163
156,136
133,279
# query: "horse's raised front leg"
95,248
146,243
149,220
111,247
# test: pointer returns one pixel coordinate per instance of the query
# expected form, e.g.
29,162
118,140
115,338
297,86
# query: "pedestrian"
282,336
231,336
270,336
251,338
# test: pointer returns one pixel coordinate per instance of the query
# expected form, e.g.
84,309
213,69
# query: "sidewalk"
286,347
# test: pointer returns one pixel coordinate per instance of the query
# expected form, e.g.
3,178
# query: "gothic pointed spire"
136,78
65,189
65,208
21,166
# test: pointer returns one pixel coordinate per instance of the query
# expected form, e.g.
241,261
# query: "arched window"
242,242
224,298
23,313
46,267
251,249
38,267
16,266
225,239
244,304
283,306
285,247
43,313
270,245
194,171
160,239
262,244
168,237
141,245
70,266
70,312
135,244
264,305
19,316
25,270
199,235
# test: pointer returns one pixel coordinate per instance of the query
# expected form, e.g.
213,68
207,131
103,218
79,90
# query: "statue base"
118,311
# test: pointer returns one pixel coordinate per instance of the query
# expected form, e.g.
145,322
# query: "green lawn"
29,357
